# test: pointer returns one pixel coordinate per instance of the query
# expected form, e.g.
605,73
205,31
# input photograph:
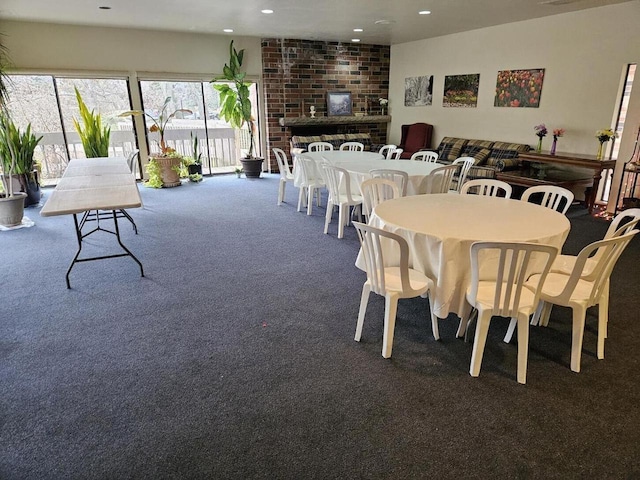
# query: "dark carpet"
234,358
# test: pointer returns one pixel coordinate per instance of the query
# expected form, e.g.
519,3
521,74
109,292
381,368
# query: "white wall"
42,46
583,54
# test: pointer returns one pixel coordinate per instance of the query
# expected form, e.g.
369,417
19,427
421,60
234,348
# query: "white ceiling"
331,20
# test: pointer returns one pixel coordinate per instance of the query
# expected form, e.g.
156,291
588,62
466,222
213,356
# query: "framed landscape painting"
339,103
461,90
418,91
519,88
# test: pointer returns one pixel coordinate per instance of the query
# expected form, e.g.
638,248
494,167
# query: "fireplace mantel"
334,120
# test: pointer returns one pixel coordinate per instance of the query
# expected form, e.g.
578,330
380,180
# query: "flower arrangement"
383,104
603,136
541,131
557,133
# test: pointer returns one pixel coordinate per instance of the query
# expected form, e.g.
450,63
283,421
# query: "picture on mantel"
461,90
418,91
519,88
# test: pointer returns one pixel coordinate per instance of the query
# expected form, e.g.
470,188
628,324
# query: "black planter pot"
195,169
30,185
252,167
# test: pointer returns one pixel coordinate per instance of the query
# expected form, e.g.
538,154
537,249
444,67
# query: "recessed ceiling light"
267,11
384,22
104,8
355,40
358,30
228,30
424,12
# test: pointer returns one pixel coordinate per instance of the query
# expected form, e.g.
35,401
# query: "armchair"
415,137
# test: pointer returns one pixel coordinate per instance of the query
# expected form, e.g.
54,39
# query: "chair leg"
364,299
523,347
310,192
603,319
390,310
482,328
465,318
605,295
281,188
510,330
341,219
577,336
327,216
301,196
434,318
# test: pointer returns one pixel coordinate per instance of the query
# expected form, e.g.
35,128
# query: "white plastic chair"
395,154
377,190
498,274
343,200
439,179
319,147
311,182
387,150
465,165
352,146
131,161
400,177
487,186
285,172
554,197
393,282
425,156
585,287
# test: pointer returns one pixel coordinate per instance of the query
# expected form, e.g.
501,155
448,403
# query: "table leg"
591,201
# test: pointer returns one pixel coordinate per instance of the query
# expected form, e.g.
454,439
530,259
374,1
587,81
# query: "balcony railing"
221,148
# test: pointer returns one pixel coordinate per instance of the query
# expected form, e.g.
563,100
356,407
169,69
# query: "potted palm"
16,162
163,168
236,107
94,137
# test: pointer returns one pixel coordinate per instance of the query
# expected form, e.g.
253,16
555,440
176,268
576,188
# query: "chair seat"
565,263
356,199
555,284
417,280
486,296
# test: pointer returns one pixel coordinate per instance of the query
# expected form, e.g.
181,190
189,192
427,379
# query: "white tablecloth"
440,229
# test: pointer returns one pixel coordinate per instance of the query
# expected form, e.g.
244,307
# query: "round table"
440,229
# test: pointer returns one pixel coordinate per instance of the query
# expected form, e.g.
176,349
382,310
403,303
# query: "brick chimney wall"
298,73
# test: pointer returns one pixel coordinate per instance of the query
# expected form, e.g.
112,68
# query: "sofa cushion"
480,155
450,148
335,139
505,155
473,146
364,138
481,172
302,142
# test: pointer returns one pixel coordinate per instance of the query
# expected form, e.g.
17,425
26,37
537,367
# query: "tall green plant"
234,100
16,151
94,137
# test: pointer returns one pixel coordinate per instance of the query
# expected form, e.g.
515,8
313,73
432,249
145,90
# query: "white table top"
440,229
94,184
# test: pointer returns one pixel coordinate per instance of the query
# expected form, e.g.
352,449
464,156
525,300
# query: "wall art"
339,103
519,88
461,90
418,91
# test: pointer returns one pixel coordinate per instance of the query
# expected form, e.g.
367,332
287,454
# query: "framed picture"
339,103
418,91
519,88
461,90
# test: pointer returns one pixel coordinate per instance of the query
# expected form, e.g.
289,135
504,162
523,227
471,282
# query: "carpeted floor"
234,358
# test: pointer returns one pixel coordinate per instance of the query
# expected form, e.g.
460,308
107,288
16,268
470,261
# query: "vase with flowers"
541,131
383,105
603,137
557,133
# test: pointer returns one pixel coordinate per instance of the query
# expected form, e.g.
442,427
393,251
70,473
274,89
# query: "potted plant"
236,107
16,162
94,137
163,168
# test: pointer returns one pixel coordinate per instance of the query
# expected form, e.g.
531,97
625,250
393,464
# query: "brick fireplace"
298,73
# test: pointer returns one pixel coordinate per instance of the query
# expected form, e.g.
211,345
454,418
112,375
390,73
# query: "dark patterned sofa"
490,157
300,144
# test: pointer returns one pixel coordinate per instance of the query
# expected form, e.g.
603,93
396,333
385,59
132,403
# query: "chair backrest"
595,273
425,156
387,150
466,164
377,190
333,175
283,162
487,186
374,259
416,136
395,154
550,196
439,179
319,146
131,161
623,223
352,146
400,177
505,267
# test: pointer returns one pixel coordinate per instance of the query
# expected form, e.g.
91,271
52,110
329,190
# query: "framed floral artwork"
519,88
461,90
